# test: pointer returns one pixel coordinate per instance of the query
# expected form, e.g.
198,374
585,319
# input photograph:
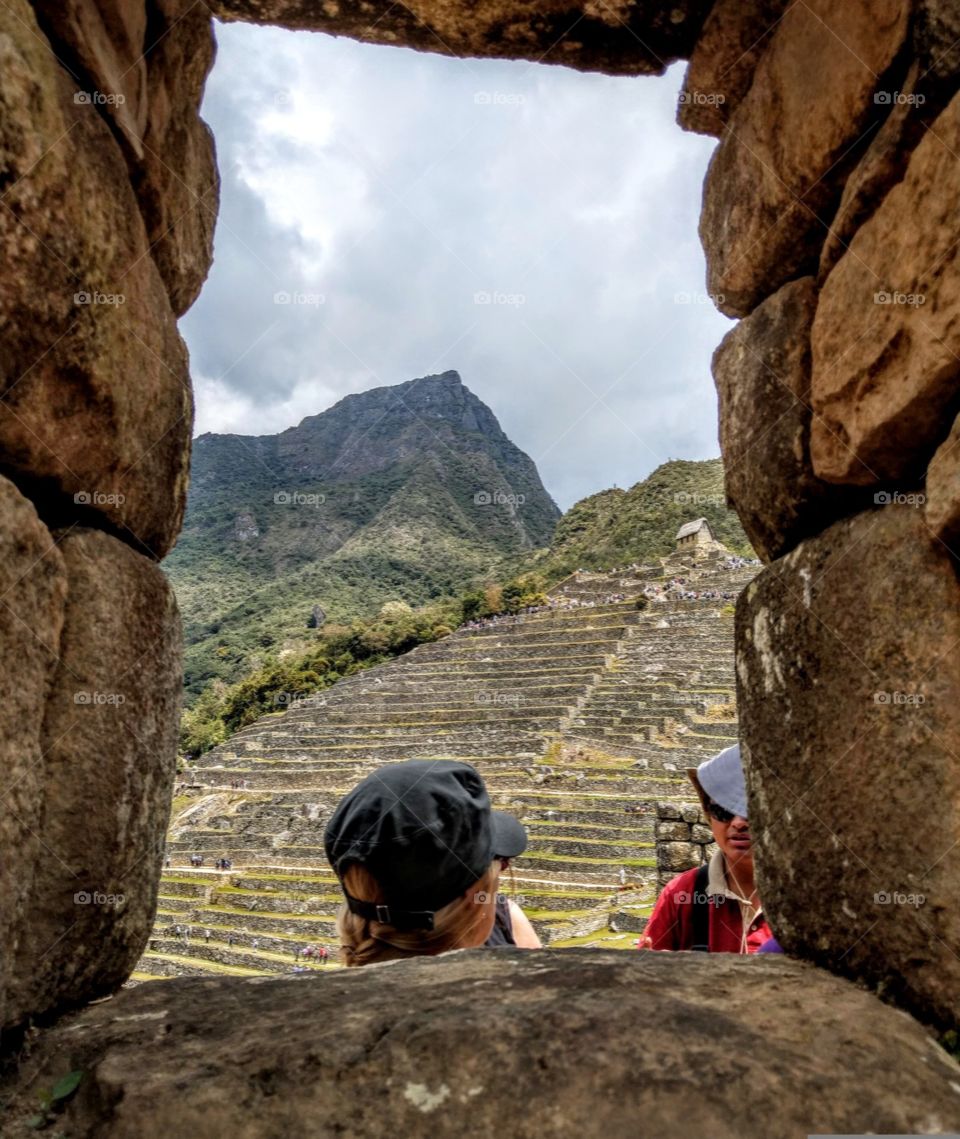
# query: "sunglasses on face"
721,814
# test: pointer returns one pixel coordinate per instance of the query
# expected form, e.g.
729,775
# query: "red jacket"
671,923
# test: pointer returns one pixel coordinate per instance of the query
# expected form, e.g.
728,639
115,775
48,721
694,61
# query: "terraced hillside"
572,714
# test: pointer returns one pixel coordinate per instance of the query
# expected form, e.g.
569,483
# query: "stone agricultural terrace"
572,715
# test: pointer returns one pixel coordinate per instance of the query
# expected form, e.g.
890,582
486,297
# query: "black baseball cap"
425,830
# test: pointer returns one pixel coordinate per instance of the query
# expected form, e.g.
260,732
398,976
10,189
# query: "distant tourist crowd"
677,590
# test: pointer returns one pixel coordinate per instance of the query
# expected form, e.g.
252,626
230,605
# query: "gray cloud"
530,226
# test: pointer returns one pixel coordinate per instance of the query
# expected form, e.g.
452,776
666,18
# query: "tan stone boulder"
735,34
95,400
849,700
109,745
880,169
177,182
33,587
637,38
102,43
886,337
943,490
762,373
147,80
562,1043
773,184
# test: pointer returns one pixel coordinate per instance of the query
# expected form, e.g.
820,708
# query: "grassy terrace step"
184,966
489,709
433,698
321,925
534,856
259,961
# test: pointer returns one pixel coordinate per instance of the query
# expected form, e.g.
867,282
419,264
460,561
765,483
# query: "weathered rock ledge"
562,1043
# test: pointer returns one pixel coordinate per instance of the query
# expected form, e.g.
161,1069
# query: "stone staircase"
572,715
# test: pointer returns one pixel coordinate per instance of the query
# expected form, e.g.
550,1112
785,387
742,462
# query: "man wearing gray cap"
714,908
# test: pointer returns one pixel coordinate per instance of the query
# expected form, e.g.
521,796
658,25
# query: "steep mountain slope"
404,491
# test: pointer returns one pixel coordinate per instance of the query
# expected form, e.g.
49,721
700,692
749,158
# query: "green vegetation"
338,651
266,649
403,493
618,527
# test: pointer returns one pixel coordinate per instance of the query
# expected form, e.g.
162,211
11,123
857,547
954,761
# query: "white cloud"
399,185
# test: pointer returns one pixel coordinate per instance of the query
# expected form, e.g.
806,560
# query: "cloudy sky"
532,227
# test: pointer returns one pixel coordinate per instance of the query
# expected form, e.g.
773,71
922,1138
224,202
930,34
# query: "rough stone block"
734,36
691,813
943,490
177,182
95,394
673,832
881,167
456,1044
936,42
102,42
702,834
33,587
109,741
639,38
849,700
775,179
762,373
886,338
675,857
668,811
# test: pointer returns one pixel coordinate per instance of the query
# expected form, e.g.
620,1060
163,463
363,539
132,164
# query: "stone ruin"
829,229
581,717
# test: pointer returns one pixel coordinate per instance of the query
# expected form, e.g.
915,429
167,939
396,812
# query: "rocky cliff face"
401,491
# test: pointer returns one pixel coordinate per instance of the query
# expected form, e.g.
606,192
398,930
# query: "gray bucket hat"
721,778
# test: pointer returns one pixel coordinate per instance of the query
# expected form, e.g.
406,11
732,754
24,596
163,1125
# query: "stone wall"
683,839
108,195
829,228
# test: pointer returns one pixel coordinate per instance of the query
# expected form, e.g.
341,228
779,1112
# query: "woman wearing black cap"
419,851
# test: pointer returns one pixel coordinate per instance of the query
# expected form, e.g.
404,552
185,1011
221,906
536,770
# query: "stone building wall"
683,839
829,225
